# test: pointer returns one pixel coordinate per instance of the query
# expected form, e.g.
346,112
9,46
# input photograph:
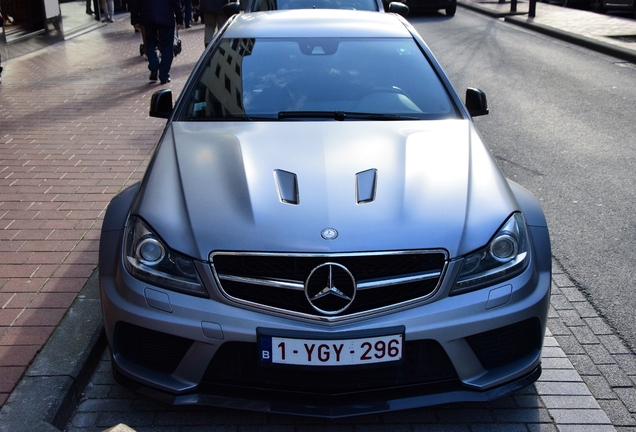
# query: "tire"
597,6
450,10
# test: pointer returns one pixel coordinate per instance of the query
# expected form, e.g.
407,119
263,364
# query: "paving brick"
584,335
599,354
528,401
599,326
560,302
613,344
9,377
8,316
599,387
560,389
570,402
580,416
525,415
571,318
615,376
552,352
506,427
83,420
585,309
108,405
560,376
627,363
27,335
558,327
556,363
133,420
572,294
52,300
586,428
618,414
570,344
17,355
40,317
476,415
541,427
561,280
628,397
64,285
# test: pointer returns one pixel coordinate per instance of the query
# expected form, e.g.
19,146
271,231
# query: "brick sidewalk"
74,131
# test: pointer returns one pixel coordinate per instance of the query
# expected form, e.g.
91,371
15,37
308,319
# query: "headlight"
505,257
149,260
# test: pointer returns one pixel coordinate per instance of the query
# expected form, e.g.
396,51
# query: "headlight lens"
505,257
149,260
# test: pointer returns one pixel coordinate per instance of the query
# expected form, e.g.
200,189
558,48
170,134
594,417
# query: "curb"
586,42
47,394
528,23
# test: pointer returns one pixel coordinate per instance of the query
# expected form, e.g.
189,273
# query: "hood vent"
287,184
366,182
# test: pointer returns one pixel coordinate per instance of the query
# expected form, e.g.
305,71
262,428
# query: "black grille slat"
297,268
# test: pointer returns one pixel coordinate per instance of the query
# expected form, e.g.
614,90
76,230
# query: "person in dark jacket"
213,17
158,19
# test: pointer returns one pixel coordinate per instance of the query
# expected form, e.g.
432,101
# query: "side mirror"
231,8
398,8
161,104
476,102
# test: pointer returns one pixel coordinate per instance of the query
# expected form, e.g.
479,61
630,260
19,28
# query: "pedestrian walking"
158,20
108,6
213,17
187,11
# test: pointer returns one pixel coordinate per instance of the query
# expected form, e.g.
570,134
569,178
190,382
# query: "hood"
275,186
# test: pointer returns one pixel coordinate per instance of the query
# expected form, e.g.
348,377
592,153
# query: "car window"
264,5
261,78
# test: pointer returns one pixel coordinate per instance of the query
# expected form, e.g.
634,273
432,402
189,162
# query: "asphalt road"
562,124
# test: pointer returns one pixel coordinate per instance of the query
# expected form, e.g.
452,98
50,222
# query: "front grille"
277,281
149,348
236,364
504,345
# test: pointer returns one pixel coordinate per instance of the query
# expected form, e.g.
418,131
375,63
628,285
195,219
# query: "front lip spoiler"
386,400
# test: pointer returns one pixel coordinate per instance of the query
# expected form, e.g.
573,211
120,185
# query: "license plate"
343,352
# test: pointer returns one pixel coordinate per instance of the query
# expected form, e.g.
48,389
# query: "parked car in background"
321,231
602,6
449,6
363,5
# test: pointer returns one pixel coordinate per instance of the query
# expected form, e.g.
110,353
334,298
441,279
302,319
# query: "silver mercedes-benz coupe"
321,231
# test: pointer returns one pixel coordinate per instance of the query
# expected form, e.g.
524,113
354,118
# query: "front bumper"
188,350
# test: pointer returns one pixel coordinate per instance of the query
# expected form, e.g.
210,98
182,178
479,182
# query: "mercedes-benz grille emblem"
330,288
329,233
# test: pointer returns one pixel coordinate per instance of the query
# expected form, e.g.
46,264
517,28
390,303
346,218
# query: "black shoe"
167,80
153,76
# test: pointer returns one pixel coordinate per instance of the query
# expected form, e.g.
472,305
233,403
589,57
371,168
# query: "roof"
317,23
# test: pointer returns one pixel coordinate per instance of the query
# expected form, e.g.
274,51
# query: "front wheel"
597,6
450,10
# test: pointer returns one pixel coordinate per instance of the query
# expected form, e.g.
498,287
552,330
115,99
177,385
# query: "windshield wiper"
342,115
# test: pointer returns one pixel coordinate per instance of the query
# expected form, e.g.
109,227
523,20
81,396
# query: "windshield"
254,79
